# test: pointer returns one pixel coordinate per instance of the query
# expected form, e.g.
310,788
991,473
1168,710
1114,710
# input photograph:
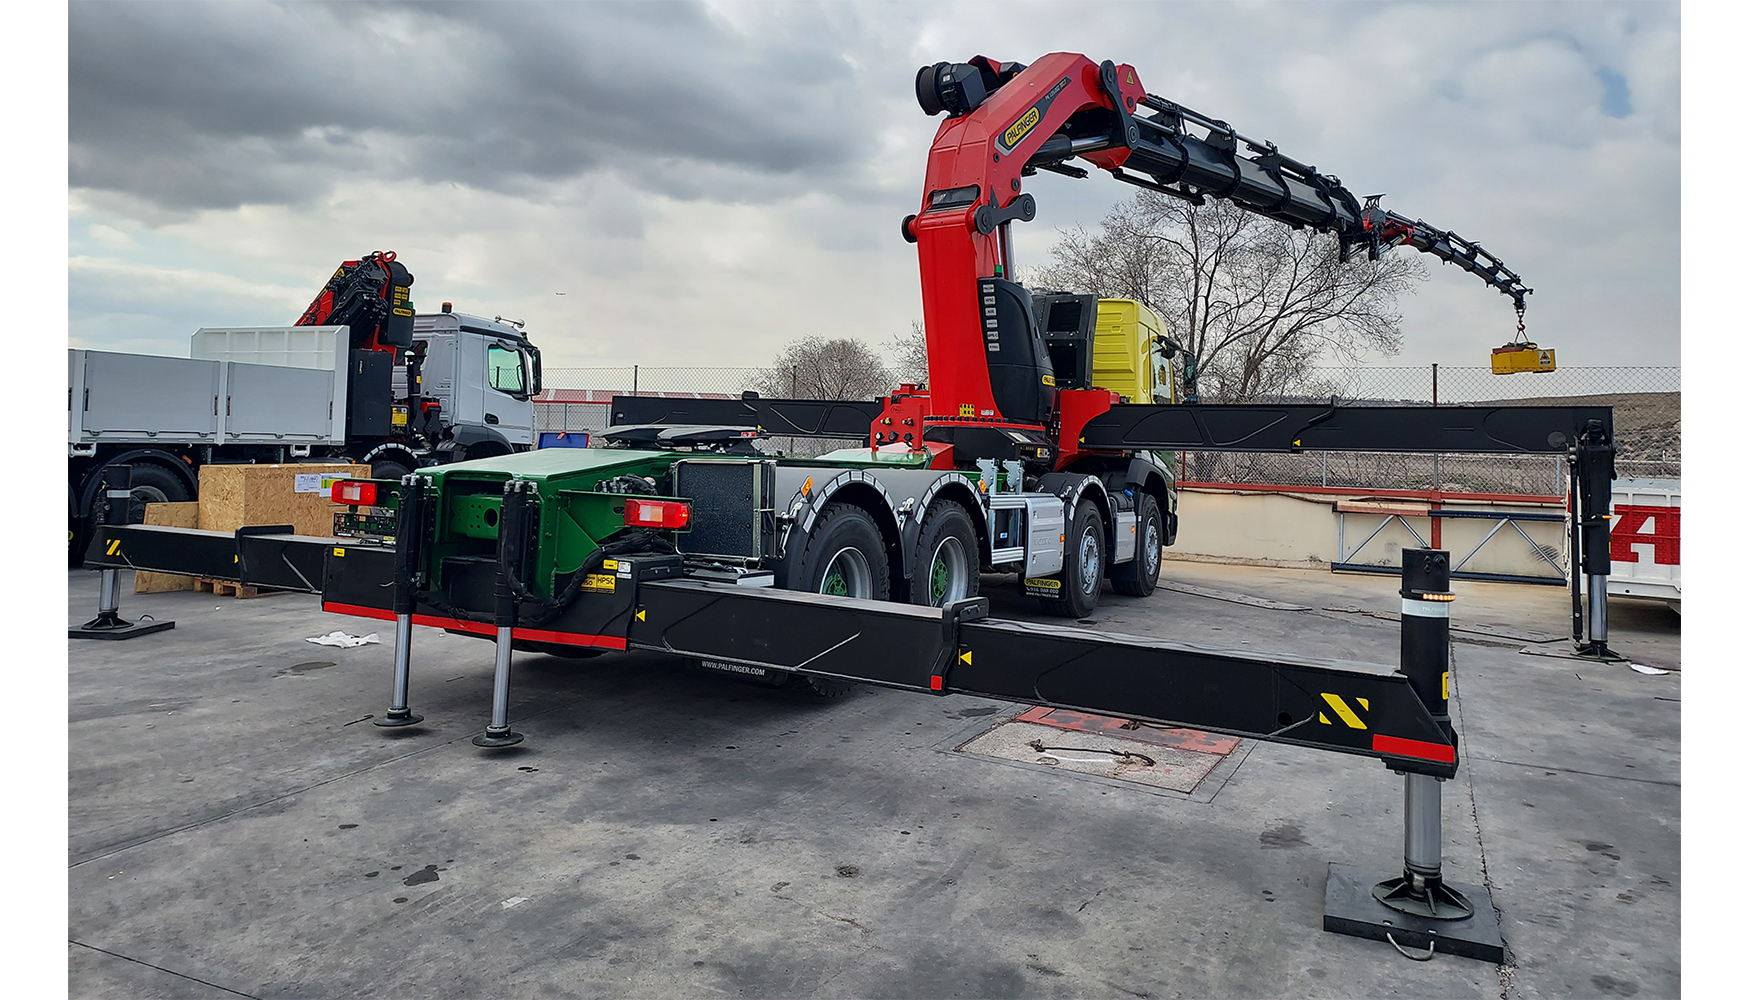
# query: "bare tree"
1254,303
911,357
818,368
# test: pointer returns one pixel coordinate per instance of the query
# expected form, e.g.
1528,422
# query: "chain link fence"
1647,402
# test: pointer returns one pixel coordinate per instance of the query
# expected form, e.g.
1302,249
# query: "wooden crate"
169,515
233,496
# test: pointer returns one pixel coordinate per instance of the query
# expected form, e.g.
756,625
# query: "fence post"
795,371
1436,383
634,380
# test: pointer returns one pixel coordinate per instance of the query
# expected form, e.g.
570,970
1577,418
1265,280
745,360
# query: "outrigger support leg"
409,529
1420,909
512,540
114,490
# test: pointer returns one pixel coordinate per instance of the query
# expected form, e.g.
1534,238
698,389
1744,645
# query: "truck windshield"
504,366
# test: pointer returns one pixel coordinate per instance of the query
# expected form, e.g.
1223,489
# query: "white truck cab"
484,374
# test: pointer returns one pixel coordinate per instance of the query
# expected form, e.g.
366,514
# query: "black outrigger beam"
1346,707
1396,716
1582,434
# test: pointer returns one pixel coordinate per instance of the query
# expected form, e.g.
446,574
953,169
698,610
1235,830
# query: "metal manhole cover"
1092,753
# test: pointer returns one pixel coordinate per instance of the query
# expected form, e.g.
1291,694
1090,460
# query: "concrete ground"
238,827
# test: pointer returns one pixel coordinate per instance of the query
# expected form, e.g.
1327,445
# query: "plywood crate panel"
167,515
233,496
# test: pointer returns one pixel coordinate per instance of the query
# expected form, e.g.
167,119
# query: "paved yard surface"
238,827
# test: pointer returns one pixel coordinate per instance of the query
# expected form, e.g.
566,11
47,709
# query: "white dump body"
223,398
1645,535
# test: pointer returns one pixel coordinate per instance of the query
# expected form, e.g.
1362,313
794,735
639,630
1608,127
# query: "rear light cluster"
354,494
658,513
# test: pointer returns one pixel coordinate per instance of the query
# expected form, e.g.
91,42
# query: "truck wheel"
947,558
150,484
845,556
1137,577
389,468
826,687
1084,565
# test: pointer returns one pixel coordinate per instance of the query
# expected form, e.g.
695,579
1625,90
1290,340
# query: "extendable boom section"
1345,707
1008,121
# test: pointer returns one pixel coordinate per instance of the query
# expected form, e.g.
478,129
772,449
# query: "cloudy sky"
699,183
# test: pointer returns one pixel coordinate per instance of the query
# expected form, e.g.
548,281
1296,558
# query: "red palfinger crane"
988,368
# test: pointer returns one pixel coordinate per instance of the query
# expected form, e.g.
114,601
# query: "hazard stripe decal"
1344,712
1397,746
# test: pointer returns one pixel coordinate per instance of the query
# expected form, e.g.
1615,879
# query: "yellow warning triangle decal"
640,614
966,657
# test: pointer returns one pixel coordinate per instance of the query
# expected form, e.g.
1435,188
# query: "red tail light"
354,494
658,513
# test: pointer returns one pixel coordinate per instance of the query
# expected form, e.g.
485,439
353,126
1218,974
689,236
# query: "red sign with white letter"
1660,526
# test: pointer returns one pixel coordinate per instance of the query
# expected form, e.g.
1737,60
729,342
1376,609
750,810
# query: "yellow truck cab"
1128,356
1115,344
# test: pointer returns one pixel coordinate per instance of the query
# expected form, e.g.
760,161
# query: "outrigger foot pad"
501,738
113,626
398,717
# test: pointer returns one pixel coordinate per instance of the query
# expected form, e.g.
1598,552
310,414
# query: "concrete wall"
1301,529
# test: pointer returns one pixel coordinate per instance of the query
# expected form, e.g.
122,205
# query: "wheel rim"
847,574
1153,540
1090,560
139,497
949,577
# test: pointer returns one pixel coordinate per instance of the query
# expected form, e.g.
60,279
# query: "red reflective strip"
478,628
481,628
569,638
1400,747
354,609
935,683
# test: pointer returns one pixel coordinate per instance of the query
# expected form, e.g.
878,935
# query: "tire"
844,556
1084,565
389,468
825,687
151,483
946,567
1137,577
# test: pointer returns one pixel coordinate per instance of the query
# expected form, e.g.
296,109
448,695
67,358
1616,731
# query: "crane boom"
369,296
1007,121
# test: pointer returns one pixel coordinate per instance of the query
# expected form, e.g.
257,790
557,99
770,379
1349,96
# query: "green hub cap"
847,575
948,573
